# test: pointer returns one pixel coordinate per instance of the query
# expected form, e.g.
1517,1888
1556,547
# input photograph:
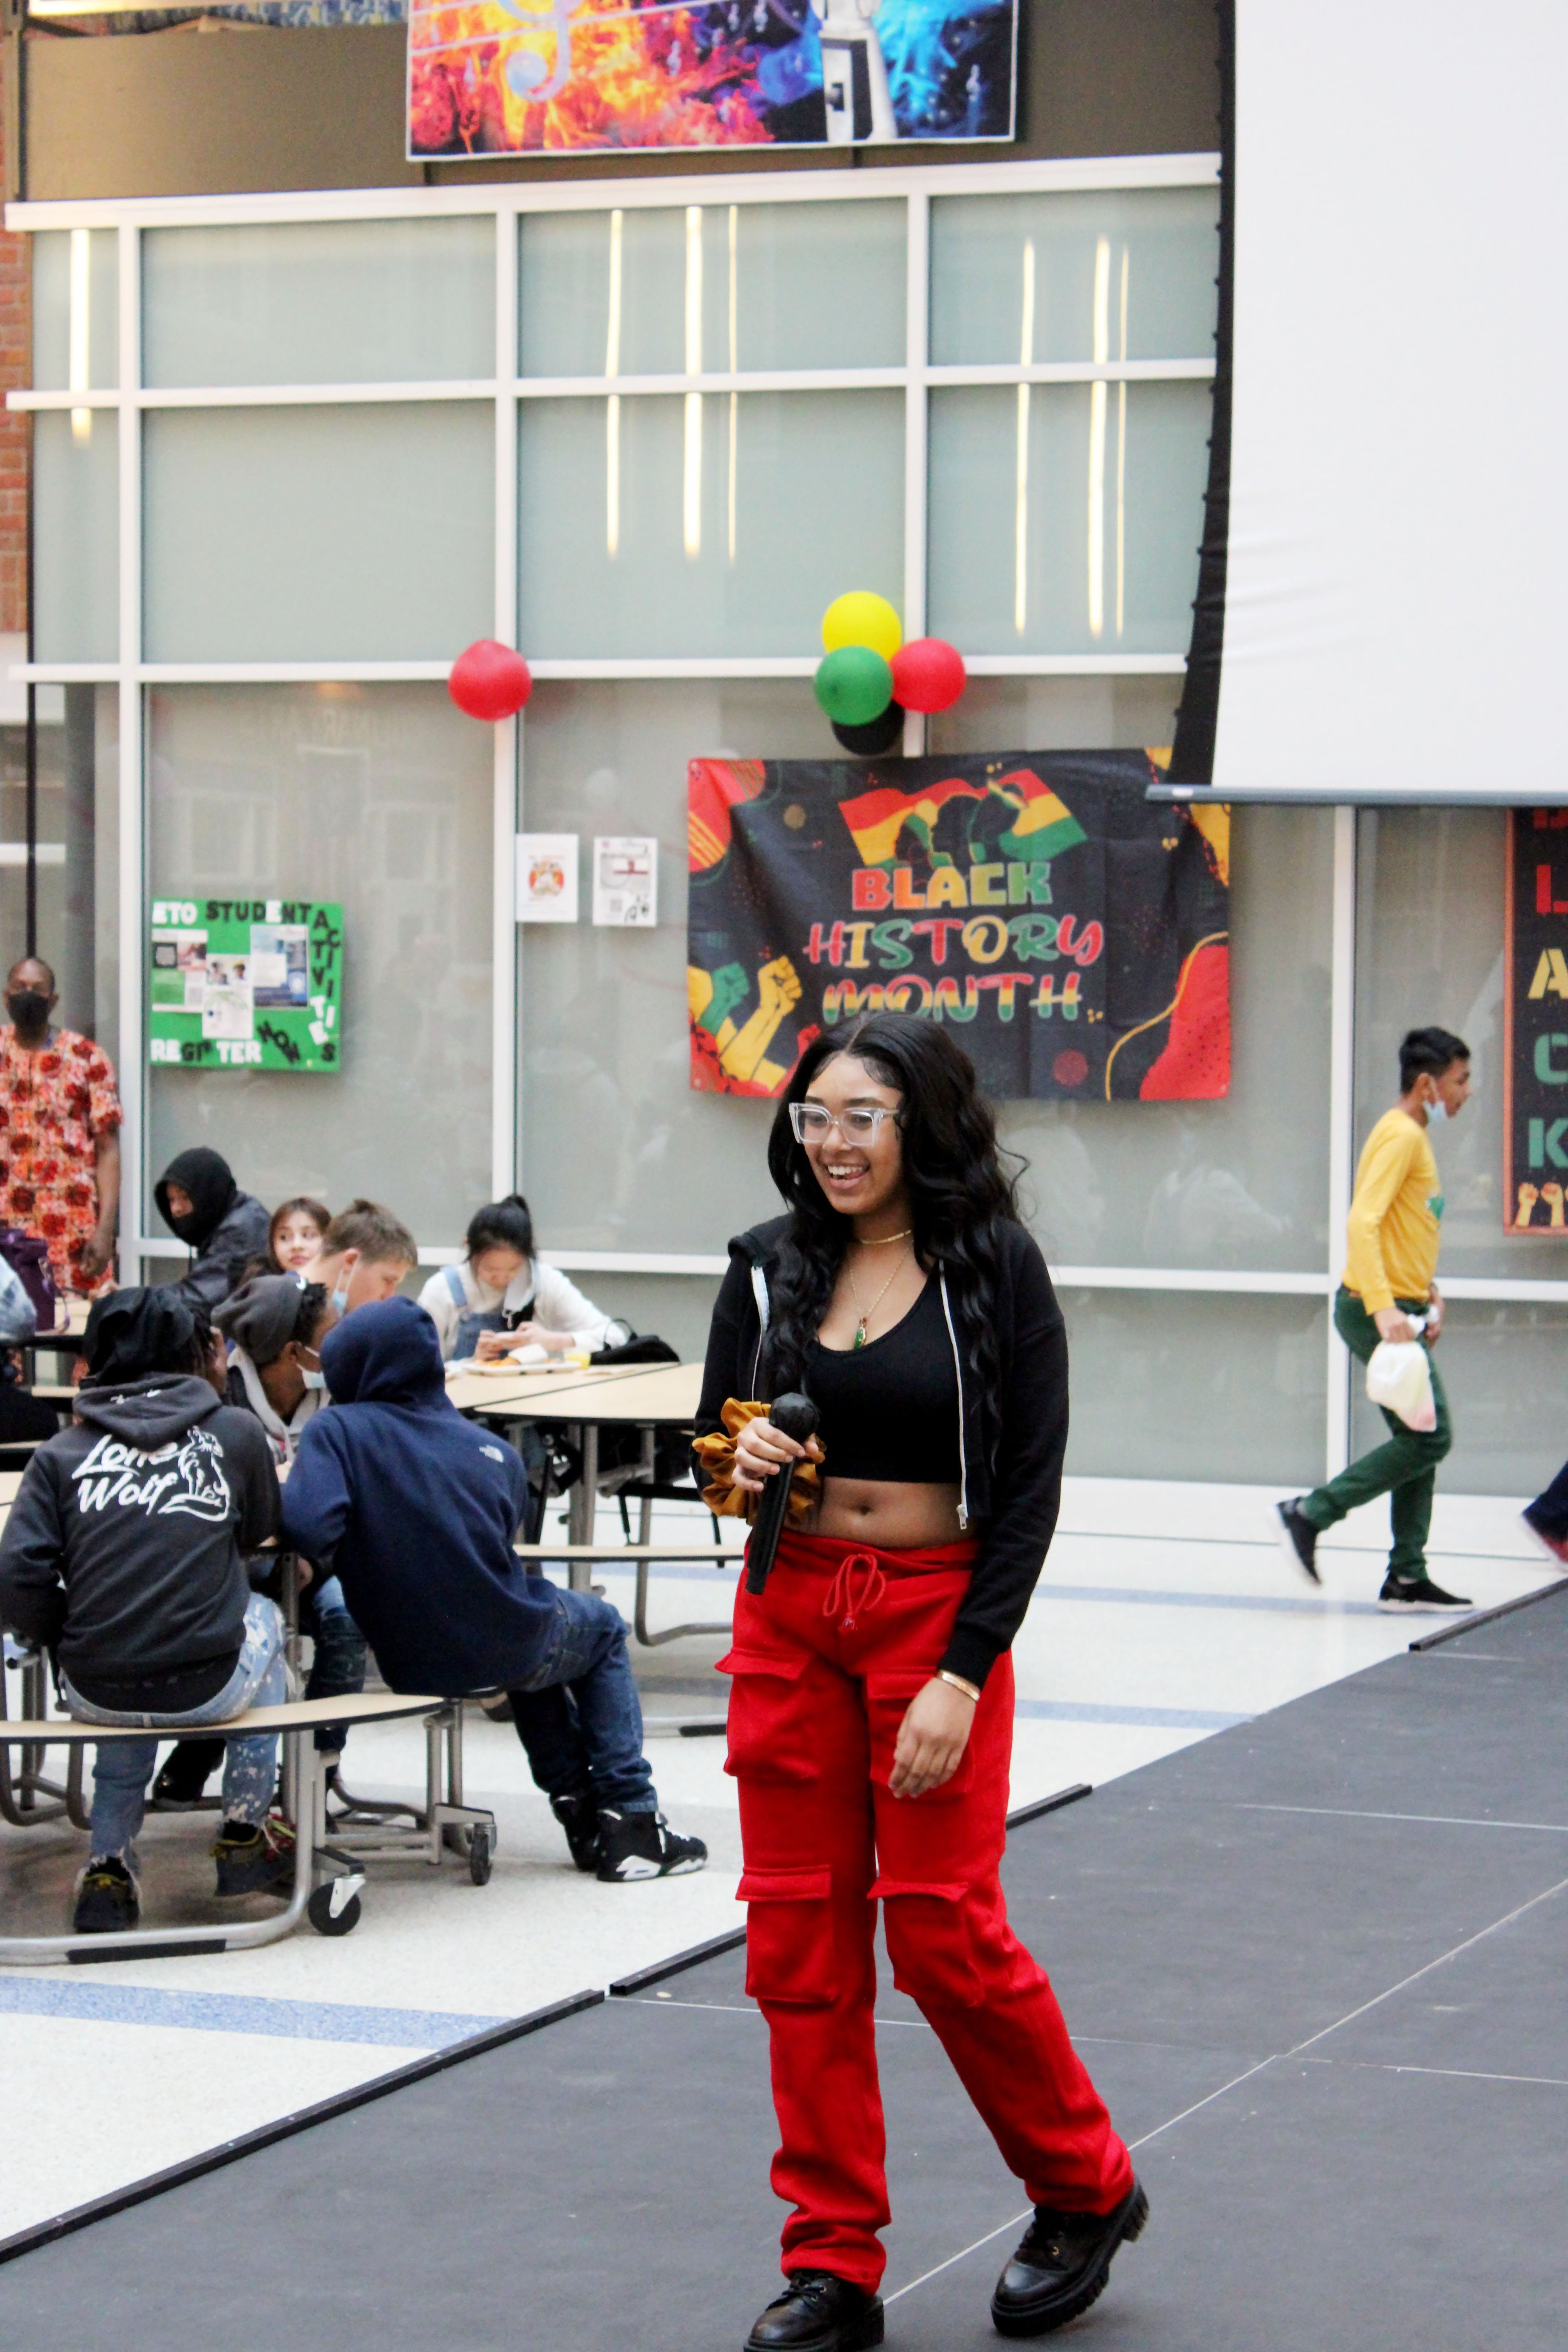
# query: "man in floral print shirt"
59,1134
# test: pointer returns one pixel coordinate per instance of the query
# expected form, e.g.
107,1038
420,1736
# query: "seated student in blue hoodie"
416,1510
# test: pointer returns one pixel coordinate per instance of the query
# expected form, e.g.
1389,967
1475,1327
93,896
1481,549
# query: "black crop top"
889,1409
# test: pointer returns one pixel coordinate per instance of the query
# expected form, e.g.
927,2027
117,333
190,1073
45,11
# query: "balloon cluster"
870,677
490,681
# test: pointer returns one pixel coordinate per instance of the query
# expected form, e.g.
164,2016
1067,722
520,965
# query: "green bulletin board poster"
246,983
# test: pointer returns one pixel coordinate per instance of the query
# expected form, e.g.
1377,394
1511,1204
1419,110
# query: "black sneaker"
818,2312
252,1861
106,1900
1298,1538
643,1846
579,1817
1061,2265
1418,1595
178,1787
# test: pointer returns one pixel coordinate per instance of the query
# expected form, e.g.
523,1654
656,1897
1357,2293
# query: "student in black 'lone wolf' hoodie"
123,1555
416,1510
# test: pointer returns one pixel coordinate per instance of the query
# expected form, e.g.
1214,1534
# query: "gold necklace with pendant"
866,1313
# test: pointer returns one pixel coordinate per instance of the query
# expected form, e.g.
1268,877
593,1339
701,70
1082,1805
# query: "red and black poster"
1074,932
1535,1048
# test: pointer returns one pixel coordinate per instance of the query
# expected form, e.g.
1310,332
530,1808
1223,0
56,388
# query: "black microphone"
793,1416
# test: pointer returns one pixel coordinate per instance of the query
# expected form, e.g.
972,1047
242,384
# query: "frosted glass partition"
1241,1182
1060,714
1169,1384
76,309
612,1132
1118,274
319,302
76,535
617,1150
379,796
704,524
1430,948
318,534
1067,517
712,288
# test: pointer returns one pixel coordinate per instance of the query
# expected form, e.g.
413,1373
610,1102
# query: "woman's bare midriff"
887,1513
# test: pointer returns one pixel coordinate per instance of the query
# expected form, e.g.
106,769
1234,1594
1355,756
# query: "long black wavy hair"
960,1195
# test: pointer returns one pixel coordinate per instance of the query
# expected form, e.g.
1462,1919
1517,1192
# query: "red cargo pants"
825,1662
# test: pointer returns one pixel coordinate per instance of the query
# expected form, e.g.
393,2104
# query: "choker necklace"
884,1241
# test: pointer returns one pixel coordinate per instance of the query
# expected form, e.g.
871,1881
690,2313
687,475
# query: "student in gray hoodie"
124,1556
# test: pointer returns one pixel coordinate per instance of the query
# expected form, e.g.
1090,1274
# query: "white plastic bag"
1399,1379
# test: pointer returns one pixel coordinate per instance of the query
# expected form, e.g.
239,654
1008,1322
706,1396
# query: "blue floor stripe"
1156,1718
1303,1604
231,2012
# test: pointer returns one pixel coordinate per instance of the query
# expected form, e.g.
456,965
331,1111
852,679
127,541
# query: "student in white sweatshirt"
501,1297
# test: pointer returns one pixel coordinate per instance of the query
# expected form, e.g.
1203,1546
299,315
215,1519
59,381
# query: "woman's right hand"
761,1451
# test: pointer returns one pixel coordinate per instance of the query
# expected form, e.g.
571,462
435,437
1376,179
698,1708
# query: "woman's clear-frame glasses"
814,1122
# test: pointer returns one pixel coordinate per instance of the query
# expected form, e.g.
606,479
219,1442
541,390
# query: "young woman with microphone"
871,1715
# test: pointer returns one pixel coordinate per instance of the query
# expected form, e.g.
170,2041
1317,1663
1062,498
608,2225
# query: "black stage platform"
1318,1963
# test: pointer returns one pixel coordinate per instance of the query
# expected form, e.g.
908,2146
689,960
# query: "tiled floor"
1165,1613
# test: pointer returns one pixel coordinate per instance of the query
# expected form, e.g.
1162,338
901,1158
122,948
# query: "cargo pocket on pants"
770,1718
887,1700
930,1942
789,1950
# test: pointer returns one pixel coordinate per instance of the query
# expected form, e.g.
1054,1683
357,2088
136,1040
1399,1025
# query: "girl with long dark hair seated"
871,1715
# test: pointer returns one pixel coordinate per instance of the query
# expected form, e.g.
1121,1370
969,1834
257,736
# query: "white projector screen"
1396,598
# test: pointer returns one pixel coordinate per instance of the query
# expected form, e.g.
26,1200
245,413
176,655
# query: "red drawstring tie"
841,1591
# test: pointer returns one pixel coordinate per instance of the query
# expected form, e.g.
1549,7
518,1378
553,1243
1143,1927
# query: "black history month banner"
1074,932
1535,1021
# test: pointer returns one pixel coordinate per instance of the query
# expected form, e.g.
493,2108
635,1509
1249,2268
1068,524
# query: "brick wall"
15,372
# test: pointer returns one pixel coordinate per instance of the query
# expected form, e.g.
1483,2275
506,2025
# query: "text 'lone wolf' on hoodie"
122,1551
416,1510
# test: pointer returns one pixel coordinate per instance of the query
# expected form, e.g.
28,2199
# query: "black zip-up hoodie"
1010,1445
123,1550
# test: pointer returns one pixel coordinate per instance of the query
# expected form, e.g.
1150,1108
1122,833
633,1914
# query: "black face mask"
28,1008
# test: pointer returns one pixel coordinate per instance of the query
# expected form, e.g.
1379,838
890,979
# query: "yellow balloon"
859,618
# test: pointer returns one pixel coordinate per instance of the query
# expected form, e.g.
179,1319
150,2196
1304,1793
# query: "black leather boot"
1061,2265
818,2313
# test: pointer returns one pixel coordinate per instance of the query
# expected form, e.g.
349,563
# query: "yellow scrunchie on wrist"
717,1454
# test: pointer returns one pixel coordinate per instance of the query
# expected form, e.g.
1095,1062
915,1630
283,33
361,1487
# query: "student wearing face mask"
1392,1231
277,1324
221,1227
367,1255
60,1135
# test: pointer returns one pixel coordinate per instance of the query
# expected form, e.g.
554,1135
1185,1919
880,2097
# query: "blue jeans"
577,1715
122,1768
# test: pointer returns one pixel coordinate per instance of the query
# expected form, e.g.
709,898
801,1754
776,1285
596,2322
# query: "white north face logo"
187,1478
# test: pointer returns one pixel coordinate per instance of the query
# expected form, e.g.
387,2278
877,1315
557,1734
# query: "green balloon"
854,686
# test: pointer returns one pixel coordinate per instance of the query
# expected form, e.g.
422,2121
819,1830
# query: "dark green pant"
1405,1468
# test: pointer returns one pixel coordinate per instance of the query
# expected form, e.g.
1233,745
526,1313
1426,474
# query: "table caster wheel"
481,1854
328,1922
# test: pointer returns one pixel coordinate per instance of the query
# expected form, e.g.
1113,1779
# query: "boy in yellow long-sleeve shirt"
1393,1231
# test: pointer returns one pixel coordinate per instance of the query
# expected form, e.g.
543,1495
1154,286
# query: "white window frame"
507,203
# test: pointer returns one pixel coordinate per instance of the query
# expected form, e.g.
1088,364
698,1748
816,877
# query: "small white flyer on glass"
546,877
226,999
625,880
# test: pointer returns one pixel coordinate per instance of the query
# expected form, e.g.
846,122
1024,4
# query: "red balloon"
490,681
928,674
